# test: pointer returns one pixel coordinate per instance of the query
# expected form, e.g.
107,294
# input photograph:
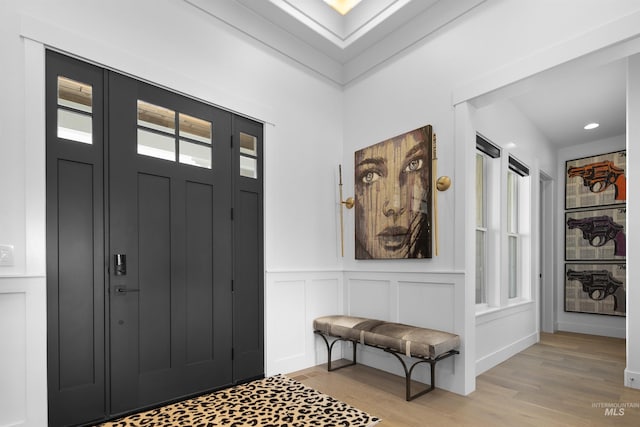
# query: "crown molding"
340,48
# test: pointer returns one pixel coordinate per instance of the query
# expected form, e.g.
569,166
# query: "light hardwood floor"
558,382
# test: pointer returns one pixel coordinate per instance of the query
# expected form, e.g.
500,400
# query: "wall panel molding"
487,362
503,333
13,405
292,300
23,379
426,299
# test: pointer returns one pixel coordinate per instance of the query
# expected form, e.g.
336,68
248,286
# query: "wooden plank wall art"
595,234
393,192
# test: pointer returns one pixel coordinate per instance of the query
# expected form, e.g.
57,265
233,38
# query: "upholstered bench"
427,345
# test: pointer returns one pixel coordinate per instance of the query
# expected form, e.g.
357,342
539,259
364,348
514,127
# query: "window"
512,232
195,141
481,230
517,223
248,156
75,110
156,130
503,228
485,224
157,136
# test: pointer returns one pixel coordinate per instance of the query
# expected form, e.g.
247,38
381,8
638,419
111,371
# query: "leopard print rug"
270,402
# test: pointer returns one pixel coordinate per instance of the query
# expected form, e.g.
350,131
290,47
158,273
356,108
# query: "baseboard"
487,362
631,379
581,328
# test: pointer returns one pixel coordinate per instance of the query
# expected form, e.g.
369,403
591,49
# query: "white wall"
613,326
311,127
509,128
632,372
448,68
172,45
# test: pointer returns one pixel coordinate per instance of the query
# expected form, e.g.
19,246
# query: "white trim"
33,290
303,270
495,313
21,276
393,273
98,52
592,329
631,379
336,60
623,31
499,356
35,155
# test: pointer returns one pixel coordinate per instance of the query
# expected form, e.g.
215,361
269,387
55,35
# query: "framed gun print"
596,181
596,288
598,234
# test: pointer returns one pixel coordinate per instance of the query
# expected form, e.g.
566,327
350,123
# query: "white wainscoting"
292,301
420,299
500,334
23,393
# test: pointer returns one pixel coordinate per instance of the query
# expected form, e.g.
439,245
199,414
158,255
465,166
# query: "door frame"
548,250
105,244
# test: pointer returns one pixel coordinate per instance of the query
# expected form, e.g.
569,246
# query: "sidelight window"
75,102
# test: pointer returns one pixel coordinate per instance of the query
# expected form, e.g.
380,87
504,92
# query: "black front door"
170,238
143,252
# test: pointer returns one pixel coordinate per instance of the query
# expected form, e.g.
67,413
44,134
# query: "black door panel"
75,252
143,250
173,219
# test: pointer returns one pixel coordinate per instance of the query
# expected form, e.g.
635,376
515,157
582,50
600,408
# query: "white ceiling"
562,106
342,48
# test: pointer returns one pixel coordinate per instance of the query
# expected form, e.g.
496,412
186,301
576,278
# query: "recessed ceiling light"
342,6
591,126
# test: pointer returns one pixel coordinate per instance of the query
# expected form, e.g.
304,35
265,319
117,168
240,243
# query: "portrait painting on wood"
393,185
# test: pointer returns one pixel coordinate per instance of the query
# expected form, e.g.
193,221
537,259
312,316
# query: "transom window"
75,109
248,156
166,134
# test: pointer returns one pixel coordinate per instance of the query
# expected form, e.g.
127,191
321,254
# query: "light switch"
6,255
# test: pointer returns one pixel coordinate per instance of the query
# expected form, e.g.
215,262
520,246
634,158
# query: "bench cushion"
349,327
410,340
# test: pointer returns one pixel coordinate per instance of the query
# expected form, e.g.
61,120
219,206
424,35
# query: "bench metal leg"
408,372
330,349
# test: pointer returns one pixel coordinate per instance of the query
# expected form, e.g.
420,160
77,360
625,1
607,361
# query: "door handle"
121,290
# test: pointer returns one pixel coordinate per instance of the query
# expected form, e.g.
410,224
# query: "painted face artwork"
393,197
